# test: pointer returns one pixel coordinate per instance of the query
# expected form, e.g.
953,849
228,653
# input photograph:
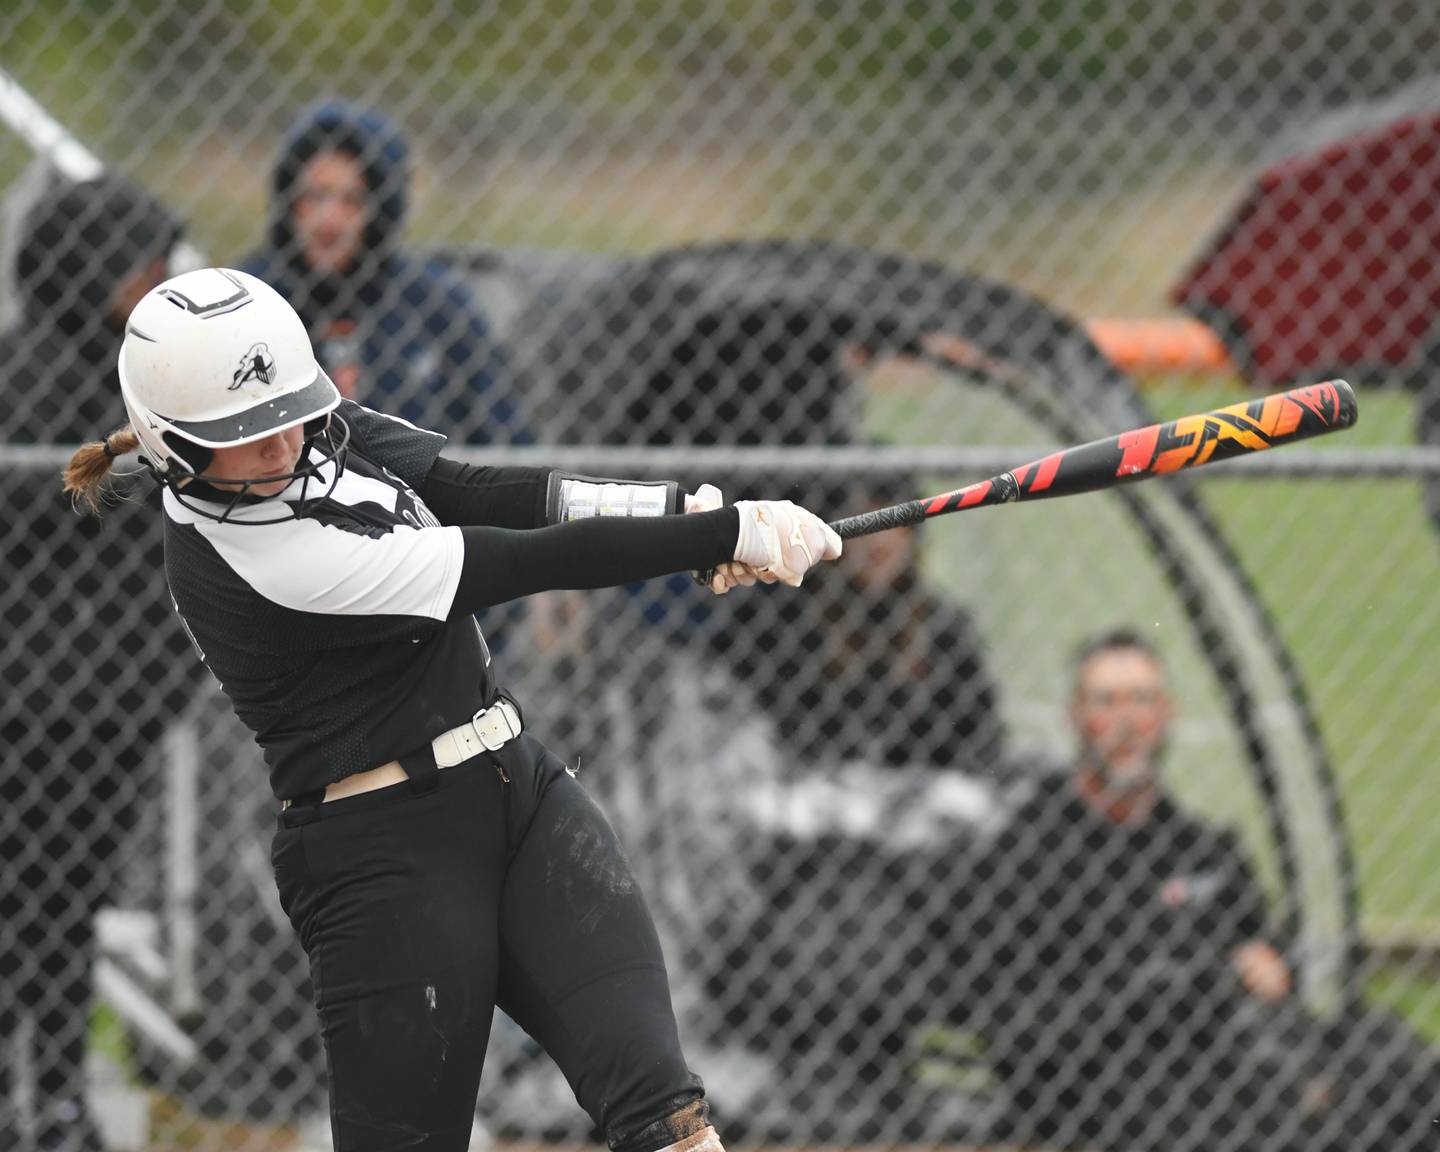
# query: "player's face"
275,455
1121,715
331,210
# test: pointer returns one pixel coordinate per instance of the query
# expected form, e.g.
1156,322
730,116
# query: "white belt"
487,731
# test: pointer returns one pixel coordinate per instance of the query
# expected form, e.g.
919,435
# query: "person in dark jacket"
396,332
883,669
91,659
1127,983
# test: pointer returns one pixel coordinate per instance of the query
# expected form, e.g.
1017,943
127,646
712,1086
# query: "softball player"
435,858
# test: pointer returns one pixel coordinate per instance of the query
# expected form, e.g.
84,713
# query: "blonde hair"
85,475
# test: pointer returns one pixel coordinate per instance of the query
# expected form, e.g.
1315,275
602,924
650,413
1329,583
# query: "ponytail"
85,474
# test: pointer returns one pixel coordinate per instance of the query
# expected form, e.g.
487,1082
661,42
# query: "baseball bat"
1189,442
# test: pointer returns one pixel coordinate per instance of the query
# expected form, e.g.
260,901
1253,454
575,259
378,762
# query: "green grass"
108,1036
1416,999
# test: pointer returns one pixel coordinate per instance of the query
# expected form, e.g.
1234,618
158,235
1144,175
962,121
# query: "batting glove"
781,541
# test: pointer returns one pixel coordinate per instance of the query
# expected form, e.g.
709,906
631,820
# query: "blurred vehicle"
1330,265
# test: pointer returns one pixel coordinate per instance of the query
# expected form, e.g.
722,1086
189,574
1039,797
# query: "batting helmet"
215,358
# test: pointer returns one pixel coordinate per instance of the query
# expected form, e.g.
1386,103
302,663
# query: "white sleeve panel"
313,567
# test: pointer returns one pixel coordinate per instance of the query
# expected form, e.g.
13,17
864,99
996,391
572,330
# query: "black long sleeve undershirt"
476,494
504,564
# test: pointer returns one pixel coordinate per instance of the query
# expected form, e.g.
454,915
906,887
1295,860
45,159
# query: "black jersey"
1101,938
330,633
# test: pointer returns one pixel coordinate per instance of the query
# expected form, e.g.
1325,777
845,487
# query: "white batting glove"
781,541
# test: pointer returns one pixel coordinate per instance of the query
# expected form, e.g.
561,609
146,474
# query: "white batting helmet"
215,358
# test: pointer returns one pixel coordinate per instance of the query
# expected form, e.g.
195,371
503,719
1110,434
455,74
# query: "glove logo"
257,364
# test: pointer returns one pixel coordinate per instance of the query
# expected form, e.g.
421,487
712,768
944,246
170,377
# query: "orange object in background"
1174,345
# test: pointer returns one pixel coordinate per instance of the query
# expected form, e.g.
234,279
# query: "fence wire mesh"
825,251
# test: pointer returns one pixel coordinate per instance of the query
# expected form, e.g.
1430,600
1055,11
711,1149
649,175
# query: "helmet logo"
256,364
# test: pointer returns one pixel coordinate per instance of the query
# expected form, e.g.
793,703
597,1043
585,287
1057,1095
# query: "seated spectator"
1130,991
395,332
877,667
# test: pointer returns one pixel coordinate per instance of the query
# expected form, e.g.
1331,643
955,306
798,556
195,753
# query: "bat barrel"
1349,407
1189,442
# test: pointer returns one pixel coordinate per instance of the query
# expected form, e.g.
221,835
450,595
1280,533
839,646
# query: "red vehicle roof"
1332,264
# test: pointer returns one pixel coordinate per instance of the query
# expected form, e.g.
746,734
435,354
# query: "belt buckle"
498,709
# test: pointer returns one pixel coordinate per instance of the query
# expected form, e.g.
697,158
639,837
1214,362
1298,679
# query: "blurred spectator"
396,332
878,667
797,898
1131,995
90,644
833,820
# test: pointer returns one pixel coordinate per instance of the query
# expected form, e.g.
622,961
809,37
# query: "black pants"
423,905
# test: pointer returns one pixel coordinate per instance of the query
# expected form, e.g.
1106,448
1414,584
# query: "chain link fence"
828,251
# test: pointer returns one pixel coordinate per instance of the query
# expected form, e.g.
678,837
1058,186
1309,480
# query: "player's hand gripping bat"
1189,442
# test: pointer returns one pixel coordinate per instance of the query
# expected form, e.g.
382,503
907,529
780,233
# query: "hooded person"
91,659
397,333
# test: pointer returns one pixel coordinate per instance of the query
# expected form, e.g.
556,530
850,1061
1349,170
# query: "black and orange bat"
1189,442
